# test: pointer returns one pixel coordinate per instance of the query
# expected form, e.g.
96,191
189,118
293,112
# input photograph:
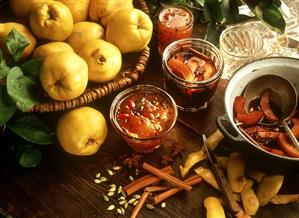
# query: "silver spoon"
283,94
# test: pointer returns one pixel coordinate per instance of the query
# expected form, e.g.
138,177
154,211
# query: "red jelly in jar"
174,23
143,115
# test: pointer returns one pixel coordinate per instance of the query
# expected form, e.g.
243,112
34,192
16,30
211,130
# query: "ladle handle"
221,121
291,135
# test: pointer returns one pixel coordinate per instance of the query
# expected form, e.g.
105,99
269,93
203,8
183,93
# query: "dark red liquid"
192,95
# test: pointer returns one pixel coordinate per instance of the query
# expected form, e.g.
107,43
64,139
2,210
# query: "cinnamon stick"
145,181
156,188
139,204
190,181
167,177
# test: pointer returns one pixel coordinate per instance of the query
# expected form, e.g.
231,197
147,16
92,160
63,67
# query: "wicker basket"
132,69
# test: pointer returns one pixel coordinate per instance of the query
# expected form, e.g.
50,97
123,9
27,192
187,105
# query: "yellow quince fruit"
103,58
82,131
64,75
79,9
83,32
44,50
5,29
22,8
130,30
52,21
102,10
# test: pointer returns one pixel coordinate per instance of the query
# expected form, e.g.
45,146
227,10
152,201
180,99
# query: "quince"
52,21
82,131
130,30
5,28
102,10
79,9
22,8
83,32
103,58
44,50
64,75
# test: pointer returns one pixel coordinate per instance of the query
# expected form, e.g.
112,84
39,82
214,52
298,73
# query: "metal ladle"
283,94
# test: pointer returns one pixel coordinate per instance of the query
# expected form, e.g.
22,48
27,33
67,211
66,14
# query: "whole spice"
133,161
164,195
145,181
177,149
139,204
166,159
167,177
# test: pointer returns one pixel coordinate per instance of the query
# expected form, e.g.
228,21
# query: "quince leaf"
29,156
272,16
7,106
212,34
268,12
31,68
230,10
21,89
32,129
16,43
4,69
200,2
212,11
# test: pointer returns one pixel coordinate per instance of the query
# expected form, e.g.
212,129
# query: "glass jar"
192,94
240,45
174,23
143,115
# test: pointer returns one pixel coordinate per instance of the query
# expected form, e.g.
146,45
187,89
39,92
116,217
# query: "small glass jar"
192,95
174,23
240,45
143,115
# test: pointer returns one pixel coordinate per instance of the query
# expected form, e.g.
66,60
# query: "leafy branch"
216,14
17,87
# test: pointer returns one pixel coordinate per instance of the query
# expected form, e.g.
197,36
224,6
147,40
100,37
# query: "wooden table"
63,185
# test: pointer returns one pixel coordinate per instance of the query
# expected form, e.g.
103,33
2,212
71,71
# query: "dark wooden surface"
62,185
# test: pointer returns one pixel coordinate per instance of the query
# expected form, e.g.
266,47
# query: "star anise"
176,149
133,161
166,159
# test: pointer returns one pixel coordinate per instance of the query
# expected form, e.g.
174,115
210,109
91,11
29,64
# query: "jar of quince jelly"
174,23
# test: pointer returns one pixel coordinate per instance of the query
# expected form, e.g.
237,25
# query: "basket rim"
125,78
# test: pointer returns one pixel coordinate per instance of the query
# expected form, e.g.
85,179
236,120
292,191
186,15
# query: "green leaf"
230,10
16,43
200,2
212,34
31,68
212,11
32,129
7,106
4,69
267,11
29,156
173,2
21,89
277,3
273,18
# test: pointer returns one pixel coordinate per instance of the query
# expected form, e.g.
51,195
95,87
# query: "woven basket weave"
129,74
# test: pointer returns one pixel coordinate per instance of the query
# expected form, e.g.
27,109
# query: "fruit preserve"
192,69
143,115
173,23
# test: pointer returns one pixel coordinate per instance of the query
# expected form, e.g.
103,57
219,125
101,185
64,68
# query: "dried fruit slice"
265,106
180,69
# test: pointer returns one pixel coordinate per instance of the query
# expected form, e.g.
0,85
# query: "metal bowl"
285,67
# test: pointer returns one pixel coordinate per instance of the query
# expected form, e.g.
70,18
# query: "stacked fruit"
77,41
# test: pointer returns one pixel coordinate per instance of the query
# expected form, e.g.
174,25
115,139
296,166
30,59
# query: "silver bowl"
285,67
